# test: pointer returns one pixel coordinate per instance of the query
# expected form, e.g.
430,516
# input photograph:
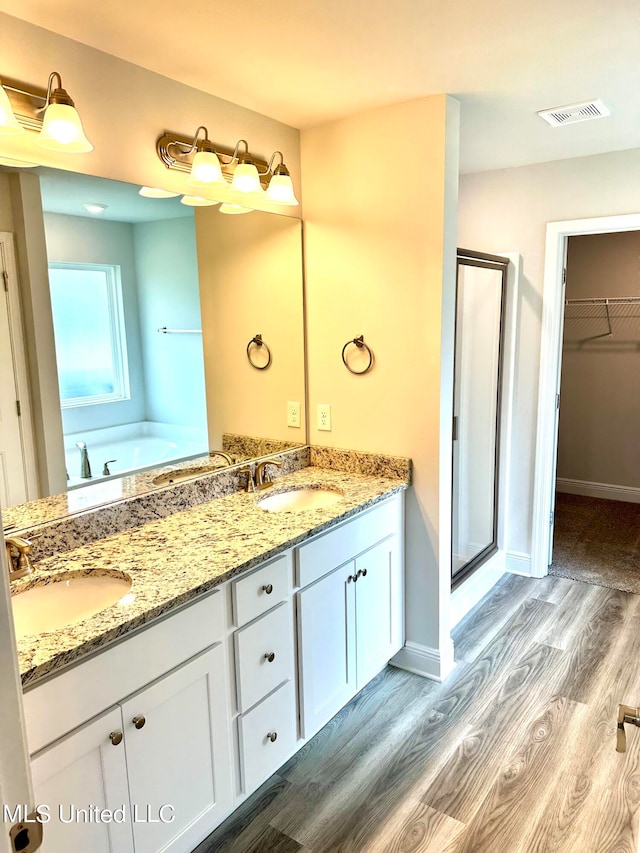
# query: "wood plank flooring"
514,753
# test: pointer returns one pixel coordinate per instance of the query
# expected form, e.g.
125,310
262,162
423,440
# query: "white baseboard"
629,494
425,661
519,563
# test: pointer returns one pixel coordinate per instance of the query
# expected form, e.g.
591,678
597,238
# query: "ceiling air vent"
574,113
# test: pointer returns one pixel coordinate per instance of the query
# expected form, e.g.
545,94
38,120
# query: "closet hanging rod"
605,300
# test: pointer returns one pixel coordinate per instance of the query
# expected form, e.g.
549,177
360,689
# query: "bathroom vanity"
244,632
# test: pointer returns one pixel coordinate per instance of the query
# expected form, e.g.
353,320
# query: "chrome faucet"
261,482
85,467
19,564
228,459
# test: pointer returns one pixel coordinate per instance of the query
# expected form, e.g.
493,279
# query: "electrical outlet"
324,416
293,414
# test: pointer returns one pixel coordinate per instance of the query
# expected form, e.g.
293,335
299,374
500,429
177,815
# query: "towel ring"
359,342
257,341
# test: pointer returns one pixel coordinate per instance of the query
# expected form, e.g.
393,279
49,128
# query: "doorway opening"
558,234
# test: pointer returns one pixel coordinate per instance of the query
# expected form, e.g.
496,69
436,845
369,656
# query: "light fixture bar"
176,152
27,102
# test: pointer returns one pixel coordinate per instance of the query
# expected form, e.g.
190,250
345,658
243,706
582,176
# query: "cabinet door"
327,645
378,608
177,745
85,771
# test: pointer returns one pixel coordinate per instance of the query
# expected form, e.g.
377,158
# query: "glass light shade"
234,208
9,125
280,190
205,169
246,179
62,130
156,192
197,201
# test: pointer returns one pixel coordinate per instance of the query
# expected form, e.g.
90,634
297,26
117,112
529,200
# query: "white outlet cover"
324,417
293,414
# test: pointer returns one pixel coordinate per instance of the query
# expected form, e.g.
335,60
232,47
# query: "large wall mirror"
154,306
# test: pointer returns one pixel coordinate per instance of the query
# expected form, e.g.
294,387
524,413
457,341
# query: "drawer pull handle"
362,573
138,721
268,588
273,736
270,656
115,738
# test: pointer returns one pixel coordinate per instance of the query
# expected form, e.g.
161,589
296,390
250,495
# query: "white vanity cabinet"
349,619
159,758
175,725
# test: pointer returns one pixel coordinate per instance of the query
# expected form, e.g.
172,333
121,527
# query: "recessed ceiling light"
95,208
156,192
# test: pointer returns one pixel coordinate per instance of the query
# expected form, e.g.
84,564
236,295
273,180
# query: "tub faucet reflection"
85,467
228,459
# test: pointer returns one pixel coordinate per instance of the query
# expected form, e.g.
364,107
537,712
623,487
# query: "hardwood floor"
514,753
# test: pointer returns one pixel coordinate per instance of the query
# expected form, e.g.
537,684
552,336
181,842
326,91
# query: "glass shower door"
481,284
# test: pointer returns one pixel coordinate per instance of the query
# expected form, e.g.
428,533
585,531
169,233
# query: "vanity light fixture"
197,201
9,124
156,192
280,189
59,129
205,168
228,207
243,180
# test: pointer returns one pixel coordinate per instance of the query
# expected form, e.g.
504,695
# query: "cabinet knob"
270,656
353,578
138,721
268,588
272,736
115,738
362,573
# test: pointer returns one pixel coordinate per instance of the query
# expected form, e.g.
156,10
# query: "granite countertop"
177,558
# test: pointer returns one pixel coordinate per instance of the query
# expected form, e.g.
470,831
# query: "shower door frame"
499,263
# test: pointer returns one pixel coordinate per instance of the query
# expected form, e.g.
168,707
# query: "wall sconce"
233,176
59,129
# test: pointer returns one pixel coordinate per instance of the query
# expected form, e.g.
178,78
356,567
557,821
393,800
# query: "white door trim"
19,349
550,363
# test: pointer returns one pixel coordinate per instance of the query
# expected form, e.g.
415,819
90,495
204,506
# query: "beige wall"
600,405
250,272
508,210
124,108
380,261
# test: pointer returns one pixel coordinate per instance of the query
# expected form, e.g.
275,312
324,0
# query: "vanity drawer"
275,717
264,655
330,550
258,592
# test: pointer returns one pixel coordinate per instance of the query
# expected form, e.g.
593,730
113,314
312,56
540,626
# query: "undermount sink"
296,500
51,603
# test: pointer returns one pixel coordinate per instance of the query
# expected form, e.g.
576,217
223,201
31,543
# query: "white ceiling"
306,62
